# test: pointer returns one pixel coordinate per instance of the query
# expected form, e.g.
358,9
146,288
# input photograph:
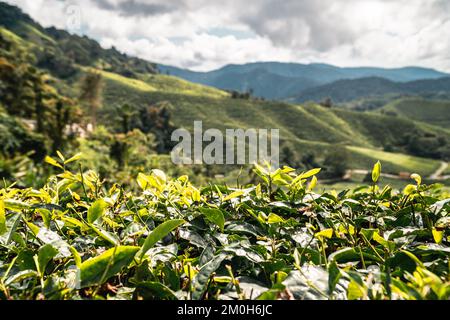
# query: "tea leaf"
157,234
376,171
215,216
96,210
99,269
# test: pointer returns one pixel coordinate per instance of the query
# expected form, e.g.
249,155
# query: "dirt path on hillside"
437,175
362,171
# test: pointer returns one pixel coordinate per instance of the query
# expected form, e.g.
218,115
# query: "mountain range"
290,81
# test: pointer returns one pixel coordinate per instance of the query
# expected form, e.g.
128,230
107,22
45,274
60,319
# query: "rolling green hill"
308,128
435,112
348,90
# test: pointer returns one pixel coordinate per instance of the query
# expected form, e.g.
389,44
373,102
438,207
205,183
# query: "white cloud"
342,32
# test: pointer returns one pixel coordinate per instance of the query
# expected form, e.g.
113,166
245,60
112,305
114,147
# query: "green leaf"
311,283
334,274
389,245
74,158
410,188
3,228
416,178
22,275
403,262
354,291
351,254
157,234
76,256
97,270
309,173
274,218
14,223
52,162
105,235
142,181
437,235
15,205
201,279
312,184
368,233
151,290
413,257
46,253
327,233
159,175
233,195
245,252
214,215
96,210
376,171
60,156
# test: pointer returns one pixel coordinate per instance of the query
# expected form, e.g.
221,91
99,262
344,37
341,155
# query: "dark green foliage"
326,103
157,120
15,139
427,145
336,163
91,95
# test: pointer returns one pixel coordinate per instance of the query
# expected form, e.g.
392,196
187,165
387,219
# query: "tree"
91,94
125,116
39,109
66,113
309,161
288,157
119,150
156,119
327,103
336,162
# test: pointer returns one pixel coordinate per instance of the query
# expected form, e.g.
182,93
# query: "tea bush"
277,239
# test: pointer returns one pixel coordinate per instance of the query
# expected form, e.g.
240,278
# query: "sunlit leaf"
96,210
2,218
437,235
376,171
53,162
327,233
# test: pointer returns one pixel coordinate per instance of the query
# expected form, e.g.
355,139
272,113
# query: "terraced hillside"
435,112
306,127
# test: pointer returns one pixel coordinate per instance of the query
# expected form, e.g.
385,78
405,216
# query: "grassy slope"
430,111
396,162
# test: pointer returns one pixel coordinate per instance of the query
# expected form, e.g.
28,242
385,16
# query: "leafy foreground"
73,239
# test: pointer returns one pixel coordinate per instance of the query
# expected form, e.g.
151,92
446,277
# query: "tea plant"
75,239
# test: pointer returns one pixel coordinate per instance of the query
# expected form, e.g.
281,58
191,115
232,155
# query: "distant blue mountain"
277,80
353,89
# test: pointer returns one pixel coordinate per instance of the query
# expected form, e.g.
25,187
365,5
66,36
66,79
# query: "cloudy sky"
207,34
